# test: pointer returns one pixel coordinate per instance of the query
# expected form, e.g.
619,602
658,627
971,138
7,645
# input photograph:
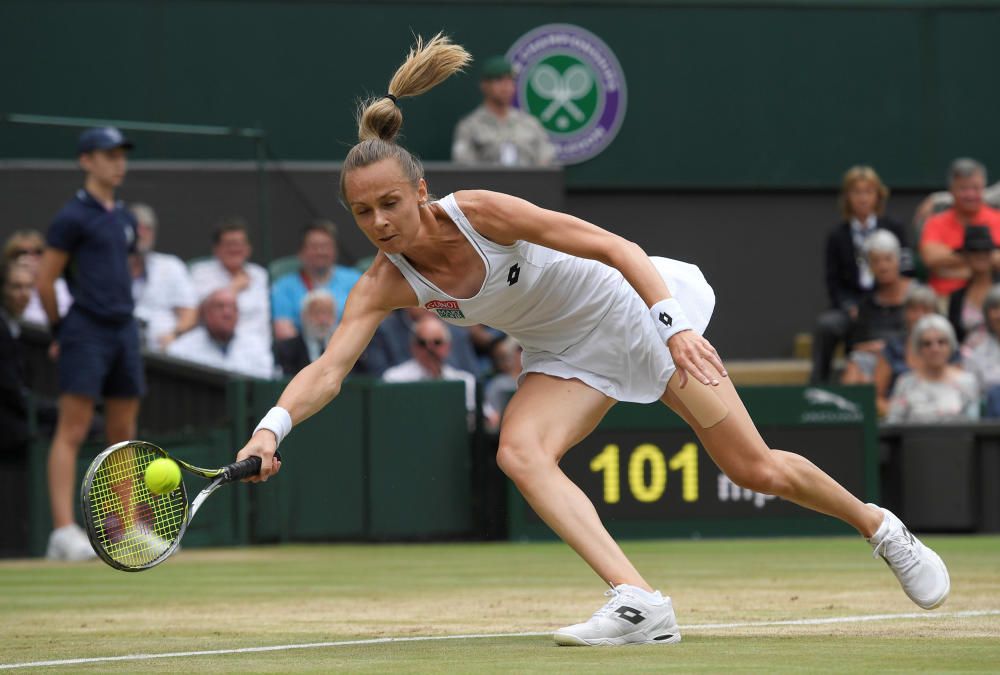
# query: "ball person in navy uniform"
599,321
97,344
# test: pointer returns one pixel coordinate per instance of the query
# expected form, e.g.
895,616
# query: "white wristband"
669,317
277,421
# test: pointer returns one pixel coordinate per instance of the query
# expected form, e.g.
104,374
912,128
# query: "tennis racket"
131,528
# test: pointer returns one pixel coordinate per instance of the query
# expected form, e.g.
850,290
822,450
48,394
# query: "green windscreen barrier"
784,94
319,494
419,463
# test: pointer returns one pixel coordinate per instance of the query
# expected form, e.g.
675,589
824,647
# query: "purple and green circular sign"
572,83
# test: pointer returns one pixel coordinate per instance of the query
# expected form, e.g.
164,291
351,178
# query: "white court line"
480,636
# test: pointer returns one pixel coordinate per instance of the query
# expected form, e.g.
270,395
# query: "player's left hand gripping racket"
131,528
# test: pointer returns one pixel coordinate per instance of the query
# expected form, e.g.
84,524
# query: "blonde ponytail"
426,66
380,119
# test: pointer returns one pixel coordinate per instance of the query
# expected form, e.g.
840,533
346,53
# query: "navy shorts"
99,358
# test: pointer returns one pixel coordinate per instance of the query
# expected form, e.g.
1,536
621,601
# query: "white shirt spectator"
34,313
166,286
412,371
253,301
242,355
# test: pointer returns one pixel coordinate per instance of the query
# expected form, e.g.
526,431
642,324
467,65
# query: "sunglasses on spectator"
18,252
929,343
436,342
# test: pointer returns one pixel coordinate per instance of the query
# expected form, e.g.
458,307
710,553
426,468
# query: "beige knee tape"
706,406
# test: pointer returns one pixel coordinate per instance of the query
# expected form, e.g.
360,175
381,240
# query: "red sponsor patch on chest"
446,309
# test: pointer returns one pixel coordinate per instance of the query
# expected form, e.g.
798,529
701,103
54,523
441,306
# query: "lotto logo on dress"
571,81
446,309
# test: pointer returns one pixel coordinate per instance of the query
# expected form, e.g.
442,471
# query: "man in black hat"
97,344
496,132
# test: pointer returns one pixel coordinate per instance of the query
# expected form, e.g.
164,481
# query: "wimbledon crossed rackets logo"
562,91
573,84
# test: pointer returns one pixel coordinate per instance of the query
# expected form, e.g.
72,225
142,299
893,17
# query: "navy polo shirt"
98,242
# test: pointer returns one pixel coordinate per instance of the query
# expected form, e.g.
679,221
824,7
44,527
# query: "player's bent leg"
737,448
546,417
67,541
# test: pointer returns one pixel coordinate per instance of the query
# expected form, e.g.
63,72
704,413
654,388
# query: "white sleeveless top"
574,317
546,299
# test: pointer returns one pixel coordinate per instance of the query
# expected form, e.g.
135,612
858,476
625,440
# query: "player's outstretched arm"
378,292
506,219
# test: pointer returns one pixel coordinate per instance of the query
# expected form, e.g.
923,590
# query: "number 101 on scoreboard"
647,472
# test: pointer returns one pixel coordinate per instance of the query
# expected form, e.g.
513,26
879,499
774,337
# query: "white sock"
880,532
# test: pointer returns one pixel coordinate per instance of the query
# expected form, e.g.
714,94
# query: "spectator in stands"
18,283
940,201
98,342
26,247
218,343
165,302
896,357
230,267
863,198
391,344
944,233
983,360
496,132
499,389
318,255
935,390
429,346
880,310
319,318
965,306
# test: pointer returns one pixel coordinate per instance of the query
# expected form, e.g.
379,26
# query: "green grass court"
293,595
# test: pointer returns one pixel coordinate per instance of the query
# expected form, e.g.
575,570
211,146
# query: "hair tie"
391,98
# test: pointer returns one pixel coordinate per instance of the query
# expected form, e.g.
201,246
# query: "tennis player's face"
385,205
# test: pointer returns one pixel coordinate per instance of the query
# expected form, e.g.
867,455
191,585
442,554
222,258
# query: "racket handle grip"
245,468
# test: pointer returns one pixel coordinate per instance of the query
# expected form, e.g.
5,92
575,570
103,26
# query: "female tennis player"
600,322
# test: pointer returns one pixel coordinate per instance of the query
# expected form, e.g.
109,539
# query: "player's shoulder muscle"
382,288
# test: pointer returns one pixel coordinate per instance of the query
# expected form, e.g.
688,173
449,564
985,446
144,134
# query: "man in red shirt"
944,233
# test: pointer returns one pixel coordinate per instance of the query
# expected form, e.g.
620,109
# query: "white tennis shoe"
627,619
69,543
920,571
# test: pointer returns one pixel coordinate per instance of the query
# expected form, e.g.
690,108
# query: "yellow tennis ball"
162,476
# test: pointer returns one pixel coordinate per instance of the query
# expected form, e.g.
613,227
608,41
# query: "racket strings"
133,525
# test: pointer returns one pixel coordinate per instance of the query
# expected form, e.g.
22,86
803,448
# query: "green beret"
496,67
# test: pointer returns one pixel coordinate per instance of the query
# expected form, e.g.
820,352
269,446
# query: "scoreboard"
649,476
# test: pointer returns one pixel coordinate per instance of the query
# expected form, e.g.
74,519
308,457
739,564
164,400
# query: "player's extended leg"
67,541
737,448
545,418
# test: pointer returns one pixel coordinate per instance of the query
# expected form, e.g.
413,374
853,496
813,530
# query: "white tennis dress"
574,317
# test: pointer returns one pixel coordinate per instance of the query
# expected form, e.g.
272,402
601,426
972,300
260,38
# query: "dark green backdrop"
721,94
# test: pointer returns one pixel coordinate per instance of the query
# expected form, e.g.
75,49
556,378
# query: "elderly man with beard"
319,318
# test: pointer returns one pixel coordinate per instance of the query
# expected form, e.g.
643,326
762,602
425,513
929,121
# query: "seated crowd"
223,311
931,351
